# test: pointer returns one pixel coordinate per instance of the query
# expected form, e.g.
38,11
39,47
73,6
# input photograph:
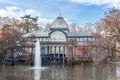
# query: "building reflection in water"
77,72
60,72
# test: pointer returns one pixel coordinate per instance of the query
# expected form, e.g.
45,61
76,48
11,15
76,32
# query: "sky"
74,11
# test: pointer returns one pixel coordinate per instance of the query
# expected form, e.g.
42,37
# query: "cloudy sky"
75,11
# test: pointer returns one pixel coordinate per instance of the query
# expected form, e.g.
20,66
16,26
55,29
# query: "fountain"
37,62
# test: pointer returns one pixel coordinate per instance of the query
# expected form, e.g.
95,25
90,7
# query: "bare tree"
106,35
71,49
73,27
11,36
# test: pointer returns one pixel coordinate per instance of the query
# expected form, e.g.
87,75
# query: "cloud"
17,12
8,1
44,21
110,3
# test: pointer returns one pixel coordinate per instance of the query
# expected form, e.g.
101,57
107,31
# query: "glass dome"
59,23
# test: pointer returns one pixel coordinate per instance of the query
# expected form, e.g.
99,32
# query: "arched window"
58,36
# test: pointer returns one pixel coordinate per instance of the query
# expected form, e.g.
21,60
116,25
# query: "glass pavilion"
54,41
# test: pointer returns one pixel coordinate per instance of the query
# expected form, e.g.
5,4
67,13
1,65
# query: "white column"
66,51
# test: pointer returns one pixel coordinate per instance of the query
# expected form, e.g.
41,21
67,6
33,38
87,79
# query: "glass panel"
85,39
81,39
43,39
40,39
77,39
57,36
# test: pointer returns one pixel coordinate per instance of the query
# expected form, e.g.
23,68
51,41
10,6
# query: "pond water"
61,72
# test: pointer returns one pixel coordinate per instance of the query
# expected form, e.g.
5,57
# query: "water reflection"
118,72
60,72
37,74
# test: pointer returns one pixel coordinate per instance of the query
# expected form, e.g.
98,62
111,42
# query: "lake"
62,72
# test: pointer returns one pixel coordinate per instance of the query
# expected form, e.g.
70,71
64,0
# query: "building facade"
56,41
